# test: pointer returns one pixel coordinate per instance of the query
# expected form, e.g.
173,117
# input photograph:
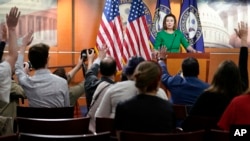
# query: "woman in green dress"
170,37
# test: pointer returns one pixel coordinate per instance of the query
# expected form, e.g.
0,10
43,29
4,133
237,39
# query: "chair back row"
193,123
104,136
181,136
181,111
212,135
33,112
200,135
66,126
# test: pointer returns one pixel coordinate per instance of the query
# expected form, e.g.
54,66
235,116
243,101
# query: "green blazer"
171,41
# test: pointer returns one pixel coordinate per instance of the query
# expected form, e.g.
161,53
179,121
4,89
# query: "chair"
182,136
192,123
12,137
180,111
105,136
66,126
32,112
105,124
218,135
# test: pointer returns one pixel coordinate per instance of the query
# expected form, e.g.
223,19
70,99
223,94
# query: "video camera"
84,53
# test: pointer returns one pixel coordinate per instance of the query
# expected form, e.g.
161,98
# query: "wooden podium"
174,61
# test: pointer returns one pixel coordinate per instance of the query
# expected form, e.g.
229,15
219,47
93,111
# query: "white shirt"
120,91
43,89
5,81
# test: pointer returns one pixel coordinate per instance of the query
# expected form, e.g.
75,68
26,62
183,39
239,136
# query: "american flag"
110,31
136,38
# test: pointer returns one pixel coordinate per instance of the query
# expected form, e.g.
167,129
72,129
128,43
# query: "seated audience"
145,112
108,72
16,91
43,89
91,77
121,91
237,112
6,69
185,88
226,85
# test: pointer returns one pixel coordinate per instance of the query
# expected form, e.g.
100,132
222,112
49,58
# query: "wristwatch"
163,59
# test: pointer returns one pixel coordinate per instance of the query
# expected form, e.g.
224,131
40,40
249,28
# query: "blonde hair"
147,76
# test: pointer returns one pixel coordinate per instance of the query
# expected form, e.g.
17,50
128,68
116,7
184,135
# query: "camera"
84,53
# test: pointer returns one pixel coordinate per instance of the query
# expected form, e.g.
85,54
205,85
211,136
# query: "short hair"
190,67
227,80
38,55
164,26
147,76
60,72
132,64
123,77
108,66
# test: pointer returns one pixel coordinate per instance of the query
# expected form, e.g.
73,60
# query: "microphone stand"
172,43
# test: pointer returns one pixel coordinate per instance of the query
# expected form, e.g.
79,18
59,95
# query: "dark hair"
132,64
123,77
147,76
227,79
164,26
108,66
60,72
38,55
190,67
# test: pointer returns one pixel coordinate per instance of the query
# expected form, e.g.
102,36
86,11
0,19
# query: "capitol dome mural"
214,32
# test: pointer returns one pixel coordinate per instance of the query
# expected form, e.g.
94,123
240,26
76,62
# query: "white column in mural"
240,13
248,14
244,12
230,27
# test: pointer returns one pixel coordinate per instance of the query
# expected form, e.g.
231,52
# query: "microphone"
172,42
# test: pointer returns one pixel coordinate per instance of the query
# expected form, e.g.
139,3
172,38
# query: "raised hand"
162,53
90,54
12,17
102,52
242,30
27,39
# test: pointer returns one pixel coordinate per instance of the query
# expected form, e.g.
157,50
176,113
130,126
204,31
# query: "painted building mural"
219,18
37,15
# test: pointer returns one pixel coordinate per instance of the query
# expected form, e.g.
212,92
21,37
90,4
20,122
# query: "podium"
174,61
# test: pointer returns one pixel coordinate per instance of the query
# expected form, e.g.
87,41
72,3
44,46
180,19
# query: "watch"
163,59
